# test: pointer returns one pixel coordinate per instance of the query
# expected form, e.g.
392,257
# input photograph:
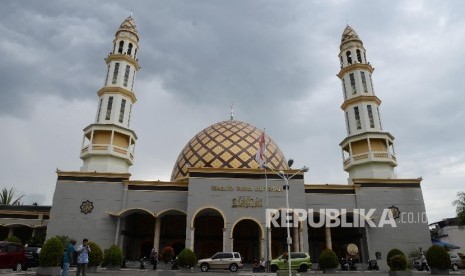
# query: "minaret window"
359,56
344,88
121,110
106,78
115,73
371,83
114,47
130,49
347,122
109,105
126,75
129,117
370,116
135,53
379,119
133,78
352,83
342,63
357,118
349,57
364,82
99,109
120,48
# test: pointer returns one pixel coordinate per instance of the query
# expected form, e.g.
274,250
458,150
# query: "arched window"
349,57
359,56
120,48
130,49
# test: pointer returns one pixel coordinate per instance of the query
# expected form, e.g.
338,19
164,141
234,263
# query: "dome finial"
232,111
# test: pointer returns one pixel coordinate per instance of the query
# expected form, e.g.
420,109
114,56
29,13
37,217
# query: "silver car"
222,260
455,261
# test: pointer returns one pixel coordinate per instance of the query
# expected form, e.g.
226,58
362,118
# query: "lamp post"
286,188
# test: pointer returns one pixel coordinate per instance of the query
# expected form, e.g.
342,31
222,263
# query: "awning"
444,244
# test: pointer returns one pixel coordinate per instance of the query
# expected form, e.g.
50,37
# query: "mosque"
217,196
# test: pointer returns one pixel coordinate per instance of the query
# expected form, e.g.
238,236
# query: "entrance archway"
172,230
137,233
246,239
208,235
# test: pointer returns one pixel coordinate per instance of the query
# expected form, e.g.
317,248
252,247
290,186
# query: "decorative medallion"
228,144
87,207
395,212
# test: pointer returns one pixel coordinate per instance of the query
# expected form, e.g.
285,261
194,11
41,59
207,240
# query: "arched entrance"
137,234
208,235
343,236
246,239
172,230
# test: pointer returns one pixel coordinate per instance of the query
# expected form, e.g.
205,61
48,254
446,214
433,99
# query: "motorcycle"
142,262
373,265
174,264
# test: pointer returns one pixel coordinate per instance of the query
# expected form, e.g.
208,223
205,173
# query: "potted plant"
187,258
167,254
438,259
112,258
95,257
328,261
397,262
50,257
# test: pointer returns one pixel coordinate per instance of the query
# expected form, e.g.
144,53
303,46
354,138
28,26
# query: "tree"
7,197
460,209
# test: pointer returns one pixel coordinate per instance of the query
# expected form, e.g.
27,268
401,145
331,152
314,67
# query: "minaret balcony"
370,156
105,149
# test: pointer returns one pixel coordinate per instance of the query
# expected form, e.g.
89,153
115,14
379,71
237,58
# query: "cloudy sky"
276,60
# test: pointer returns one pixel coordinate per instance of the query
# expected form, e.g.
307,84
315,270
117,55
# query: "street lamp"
286,188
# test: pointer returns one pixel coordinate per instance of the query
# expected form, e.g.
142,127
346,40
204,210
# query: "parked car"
32,254
455,261
222,260
299,261
12,256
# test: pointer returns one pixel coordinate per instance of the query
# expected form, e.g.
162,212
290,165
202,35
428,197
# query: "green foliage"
7,197
64,240
112,256
460,208
14,239
398,262
187,258
437,257
51,253
391,254
167,254
327,259
95,254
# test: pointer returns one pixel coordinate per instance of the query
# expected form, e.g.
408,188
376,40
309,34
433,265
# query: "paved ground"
134,272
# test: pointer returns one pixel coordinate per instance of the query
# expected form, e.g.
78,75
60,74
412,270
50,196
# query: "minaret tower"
368,151
108,144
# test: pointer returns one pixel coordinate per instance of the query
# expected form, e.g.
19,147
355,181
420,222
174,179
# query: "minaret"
108,144
368,151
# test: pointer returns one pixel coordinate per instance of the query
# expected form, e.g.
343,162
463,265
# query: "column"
269,243
262,248
192,238
118,225
301,240
329,243
295,239
156,236
224,240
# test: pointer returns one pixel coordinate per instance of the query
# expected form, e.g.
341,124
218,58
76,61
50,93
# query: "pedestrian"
154,258
83,257
68,258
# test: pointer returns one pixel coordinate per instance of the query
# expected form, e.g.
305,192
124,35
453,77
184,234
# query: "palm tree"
7,197
460,209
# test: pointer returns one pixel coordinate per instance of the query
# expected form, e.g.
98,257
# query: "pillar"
329,243
295,239
156,236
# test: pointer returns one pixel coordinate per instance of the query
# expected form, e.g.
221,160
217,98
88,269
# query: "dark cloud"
276,60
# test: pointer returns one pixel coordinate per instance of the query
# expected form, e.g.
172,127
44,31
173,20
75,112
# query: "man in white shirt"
83,257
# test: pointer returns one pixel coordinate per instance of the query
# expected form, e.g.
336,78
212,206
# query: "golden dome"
227,144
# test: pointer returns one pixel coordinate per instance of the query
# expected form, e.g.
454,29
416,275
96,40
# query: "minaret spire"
108,144
368,150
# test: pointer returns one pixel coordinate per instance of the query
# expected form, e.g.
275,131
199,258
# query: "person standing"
68,258
83,257
154,258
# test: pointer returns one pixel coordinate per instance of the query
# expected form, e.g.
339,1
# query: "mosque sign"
247,202
230,188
